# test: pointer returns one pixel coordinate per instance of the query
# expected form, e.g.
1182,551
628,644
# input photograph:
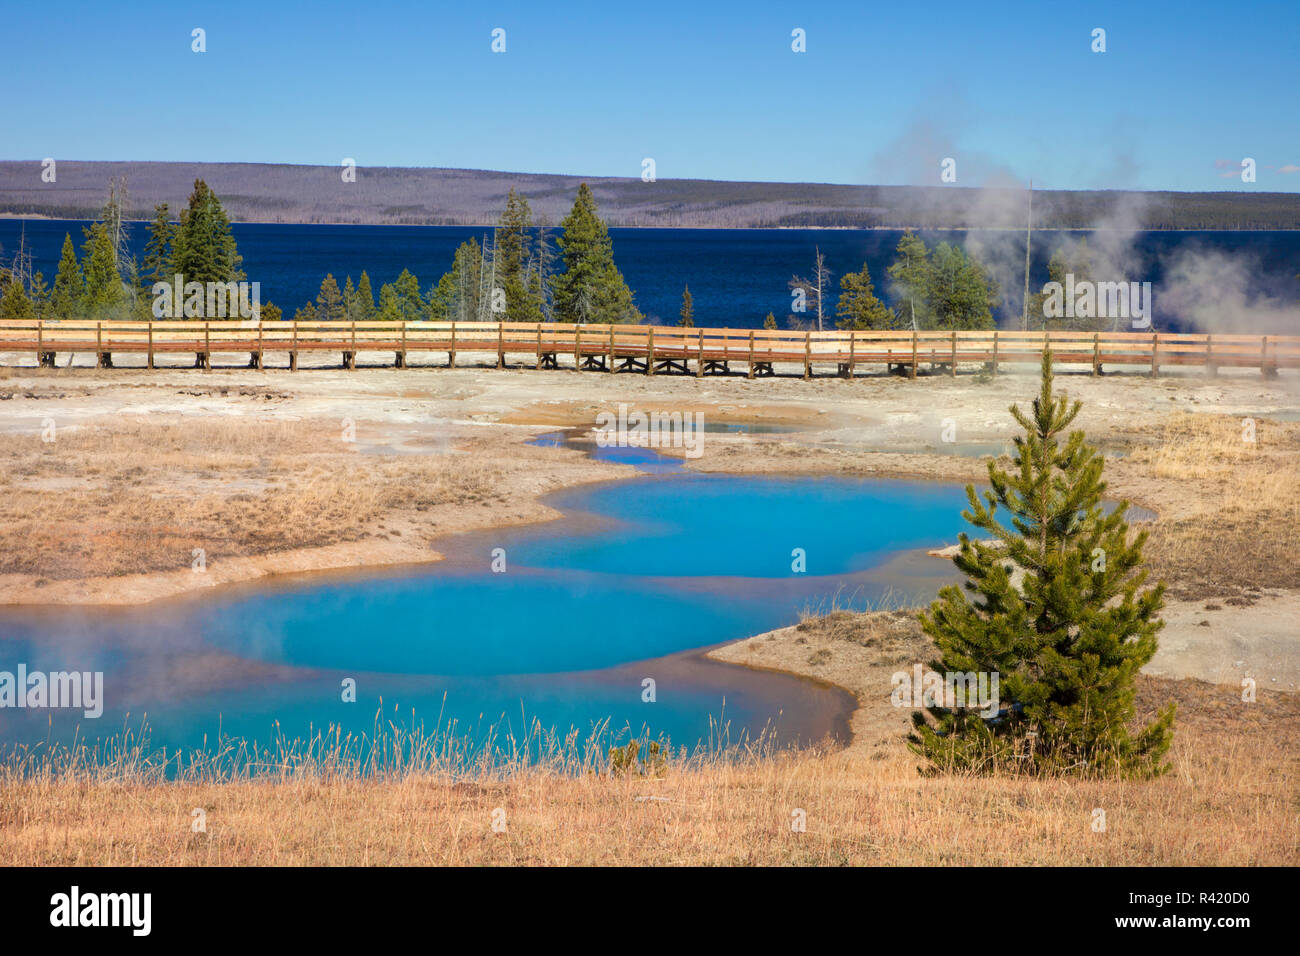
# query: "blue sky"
884,92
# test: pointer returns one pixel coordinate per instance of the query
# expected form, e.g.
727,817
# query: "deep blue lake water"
736,276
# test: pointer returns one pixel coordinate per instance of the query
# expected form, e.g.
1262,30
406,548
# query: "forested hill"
255,192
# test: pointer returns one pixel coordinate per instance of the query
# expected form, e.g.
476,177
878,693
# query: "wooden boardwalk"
640,348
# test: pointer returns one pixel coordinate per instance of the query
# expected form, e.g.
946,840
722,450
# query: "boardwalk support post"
807,355
150,365
751,353
650,352
451,354
952,371
102,359
1155,355
350,358
995,351
1096,353
699,361
911,373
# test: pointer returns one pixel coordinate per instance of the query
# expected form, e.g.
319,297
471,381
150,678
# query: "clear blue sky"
885,90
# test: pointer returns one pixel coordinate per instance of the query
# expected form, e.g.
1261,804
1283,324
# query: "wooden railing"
642,348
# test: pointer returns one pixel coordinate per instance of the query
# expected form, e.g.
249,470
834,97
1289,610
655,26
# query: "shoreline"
613,225
358,561
344,562
876,727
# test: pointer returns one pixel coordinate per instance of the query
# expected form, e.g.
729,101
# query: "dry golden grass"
1237,516
137,497
1230,800
1252,465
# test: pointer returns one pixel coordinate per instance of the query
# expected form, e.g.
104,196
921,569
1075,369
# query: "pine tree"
1068,638
537,306
349,300
329,301
14,303
960,293
365,299
410,305
590,289
455,297
40,296
103,296
158,250
688,309
514,252
390,304
910,275
1074,260
437,302
512,235
858,306
204,247
139,295
769,322
69,285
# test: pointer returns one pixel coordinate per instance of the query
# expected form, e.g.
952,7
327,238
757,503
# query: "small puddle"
647,460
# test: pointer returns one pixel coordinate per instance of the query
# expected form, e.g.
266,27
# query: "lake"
736,276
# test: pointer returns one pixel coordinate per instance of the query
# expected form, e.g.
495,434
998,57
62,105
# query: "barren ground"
272,472
255,469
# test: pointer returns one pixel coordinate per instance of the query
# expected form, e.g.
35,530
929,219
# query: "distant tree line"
513,275
517,274
945,288
106,282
